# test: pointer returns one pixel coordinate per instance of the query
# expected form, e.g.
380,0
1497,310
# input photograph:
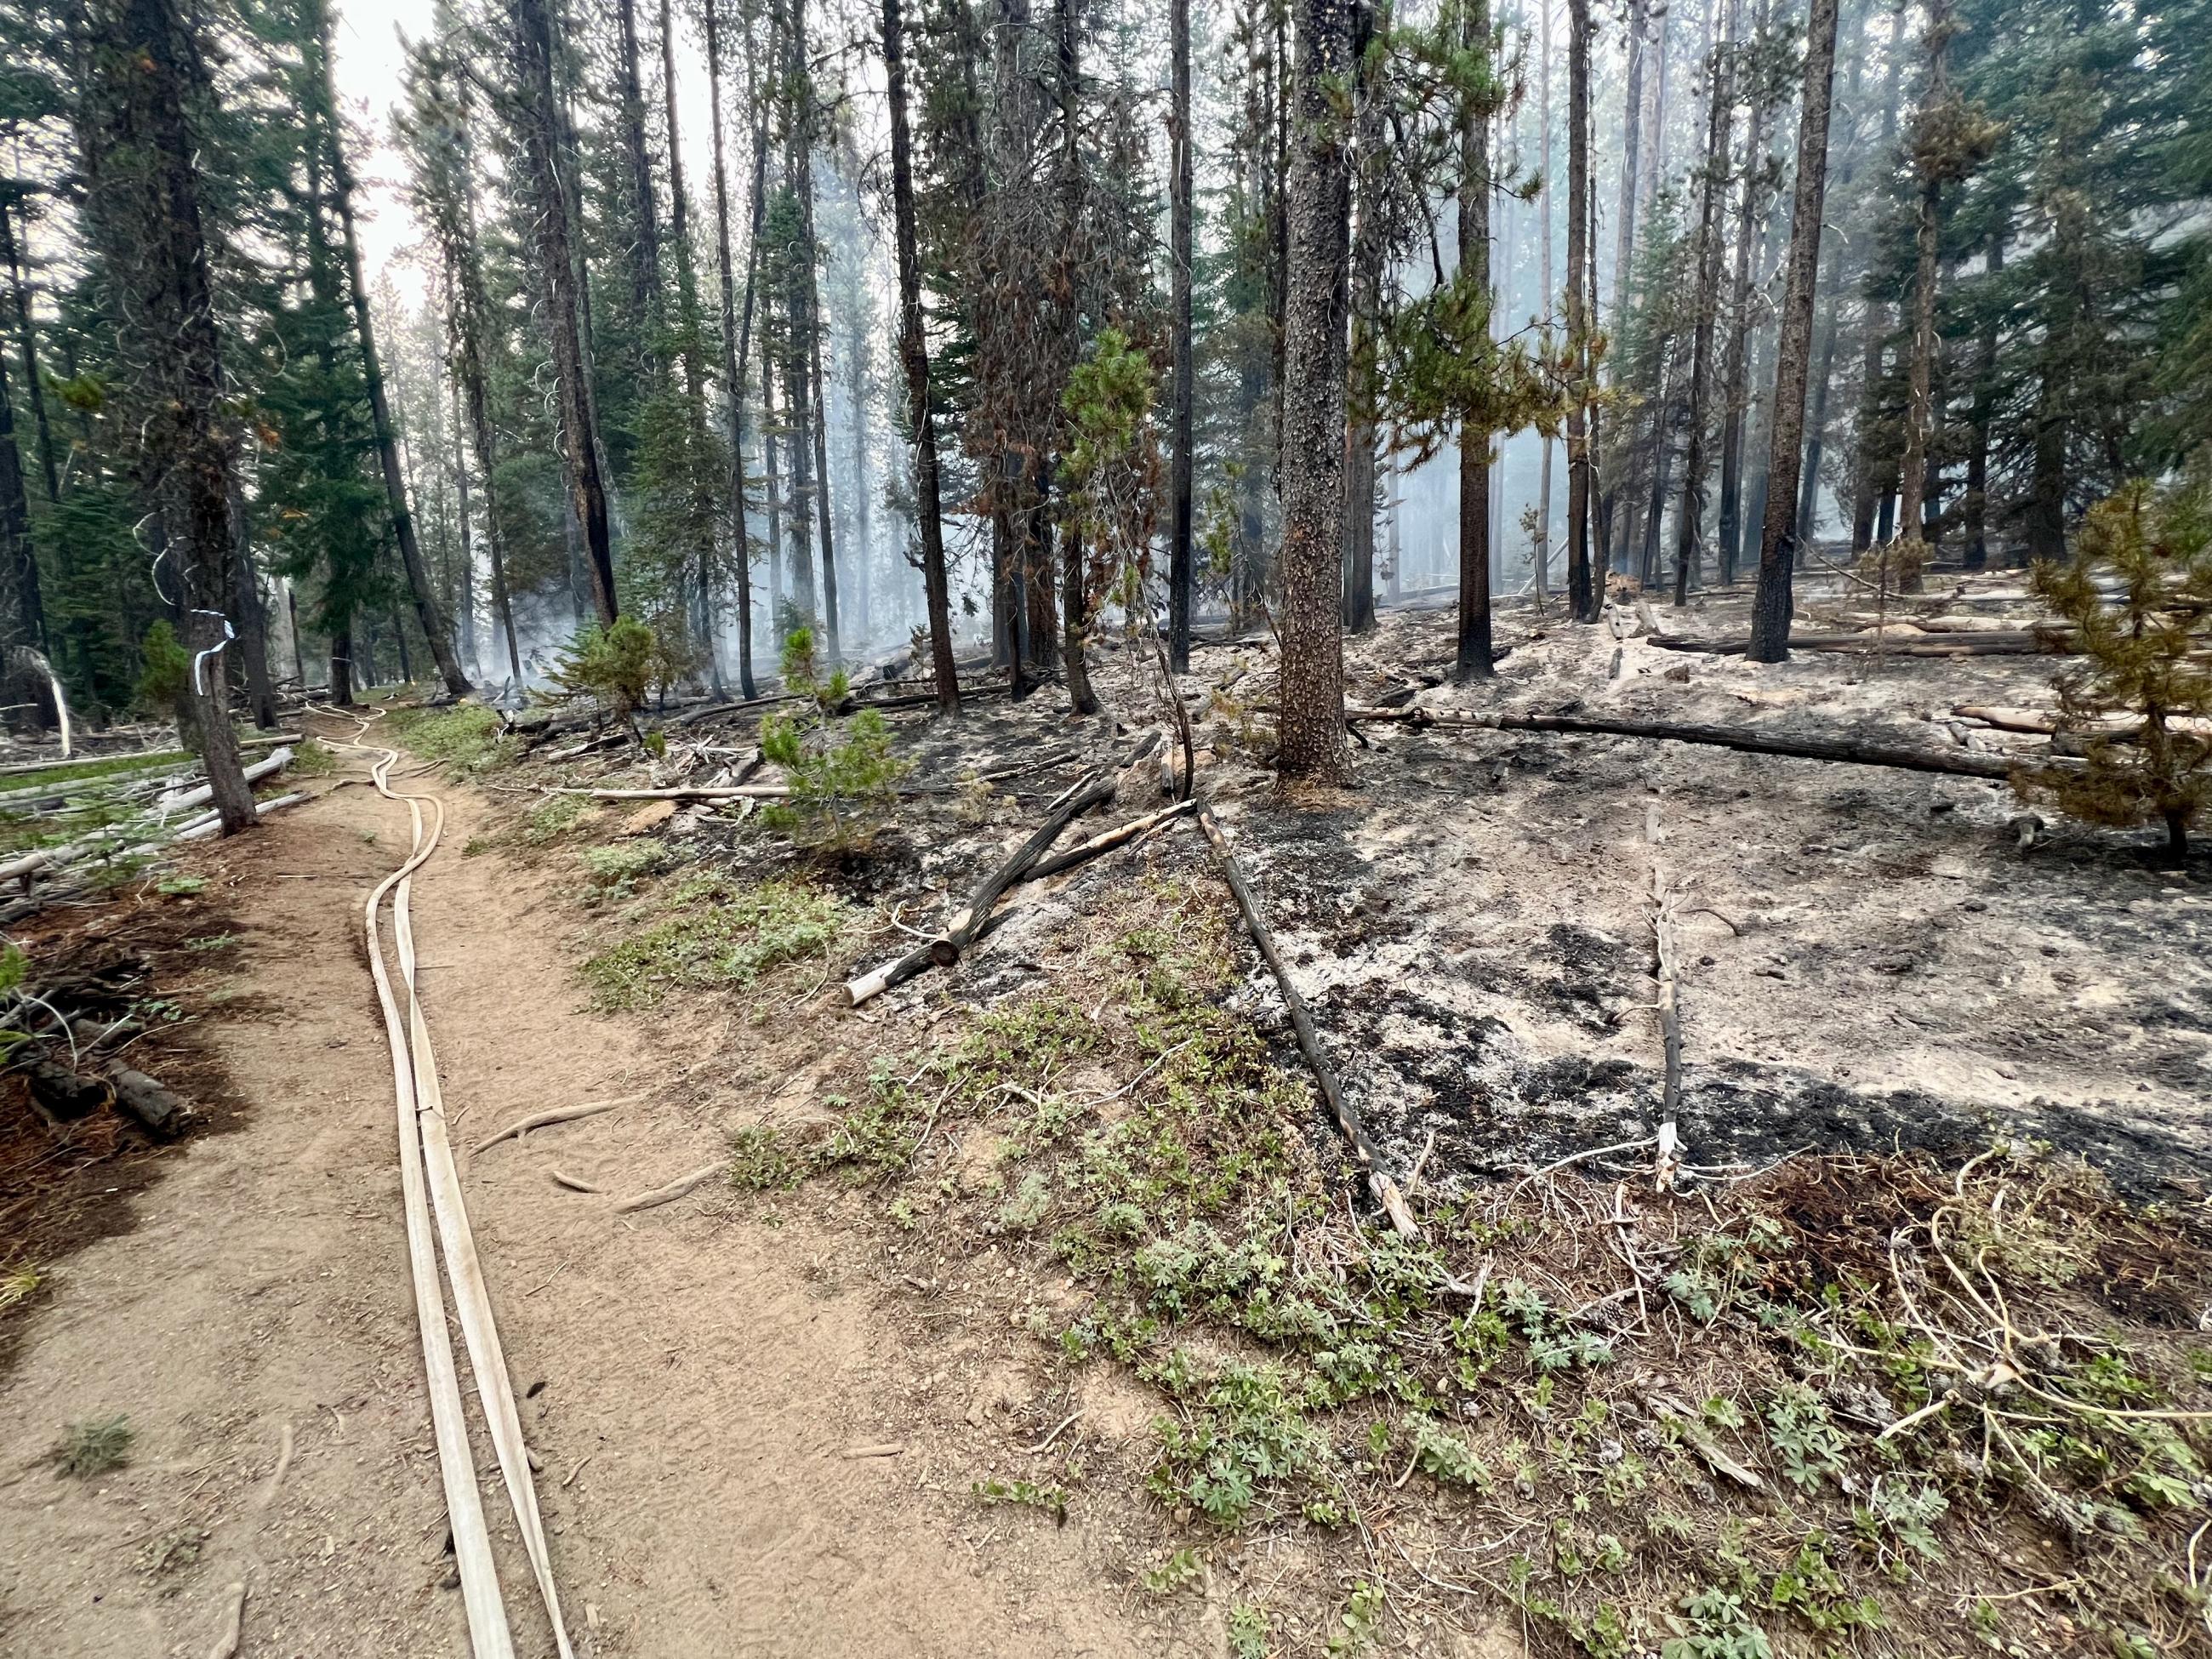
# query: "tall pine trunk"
1181,569
1582,591
539,124
1777,541
735,339
914,359
1473,659
1713,187
1311,741
144,77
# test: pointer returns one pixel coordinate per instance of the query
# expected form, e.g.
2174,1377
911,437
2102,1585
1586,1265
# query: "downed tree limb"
1363,1151
919,960
1107,840
675,1189
523,1126
2014,642
1093,789
178,800
1849,750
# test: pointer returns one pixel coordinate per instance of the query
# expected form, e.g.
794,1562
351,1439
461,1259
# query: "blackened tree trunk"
1582,592
1777,541
538,121
1181,569
914,359
1720,107
1311,744
252,621
144,82
1539,552
1474,658
1370,256
419,587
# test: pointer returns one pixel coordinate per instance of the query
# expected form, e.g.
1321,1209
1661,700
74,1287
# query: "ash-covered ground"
1871,958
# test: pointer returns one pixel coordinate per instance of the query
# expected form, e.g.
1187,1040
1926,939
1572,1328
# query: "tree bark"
1720,107
733,348
1734,410
1582,591
380,408
1976,503
644,242
914,359
1181,569
26,341
1632,140
539,120
143,71
1777,541
1311,741
1474,658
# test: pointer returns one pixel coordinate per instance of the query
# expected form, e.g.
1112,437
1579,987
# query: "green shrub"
842,776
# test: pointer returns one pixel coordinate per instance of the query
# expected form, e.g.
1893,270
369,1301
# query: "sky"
368,63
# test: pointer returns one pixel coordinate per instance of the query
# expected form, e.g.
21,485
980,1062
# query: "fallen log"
177,799
1363,1151
1106,841
2011,643
1848,751
919,960
154,1106
65,1095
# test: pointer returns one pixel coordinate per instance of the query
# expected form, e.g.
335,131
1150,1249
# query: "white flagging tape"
426,1170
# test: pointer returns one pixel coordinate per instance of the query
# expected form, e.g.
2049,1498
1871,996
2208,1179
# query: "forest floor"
1061,1238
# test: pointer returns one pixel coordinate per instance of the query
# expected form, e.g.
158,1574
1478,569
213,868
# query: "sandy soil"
694,1381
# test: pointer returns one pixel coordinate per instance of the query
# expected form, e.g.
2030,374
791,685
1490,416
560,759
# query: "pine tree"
2146,662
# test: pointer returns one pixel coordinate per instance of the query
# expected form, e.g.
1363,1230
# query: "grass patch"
312,759
552,818
622,865
715,933
68,780
465,739
19,1285
94,1446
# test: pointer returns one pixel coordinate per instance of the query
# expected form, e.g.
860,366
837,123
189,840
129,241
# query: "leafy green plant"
466,738
1360,1624
1248,1632
94,1446
1717,1627
1183,1566
761,1159
842,776
1808,1443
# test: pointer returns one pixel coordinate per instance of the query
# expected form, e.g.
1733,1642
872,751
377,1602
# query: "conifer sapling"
2139,595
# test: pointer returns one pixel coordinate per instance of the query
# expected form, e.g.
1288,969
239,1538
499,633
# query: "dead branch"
523,1126
675,1189
562,1178
1848,751
1363,1151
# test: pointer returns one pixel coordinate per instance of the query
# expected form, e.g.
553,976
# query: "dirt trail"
694,1381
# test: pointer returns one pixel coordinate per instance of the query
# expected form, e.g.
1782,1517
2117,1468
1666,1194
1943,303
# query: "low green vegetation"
840,770
465,739
1706,1448
94,1446
714,932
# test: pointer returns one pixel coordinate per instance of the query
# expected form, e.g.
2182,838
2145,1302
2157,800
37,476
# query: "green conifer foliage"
2139,594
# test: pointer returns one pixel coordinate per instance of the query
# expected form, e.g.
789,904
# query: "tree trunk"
1582,592
734,344
1778,542
1181,569
252,620
1920,414
1472,660
644,240
690,335
379,409
27,341
1632,140
25,623
1370,255
1311,741
1735,393
143,70
1540,551
538,119
1976,503
914,359
1720,107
